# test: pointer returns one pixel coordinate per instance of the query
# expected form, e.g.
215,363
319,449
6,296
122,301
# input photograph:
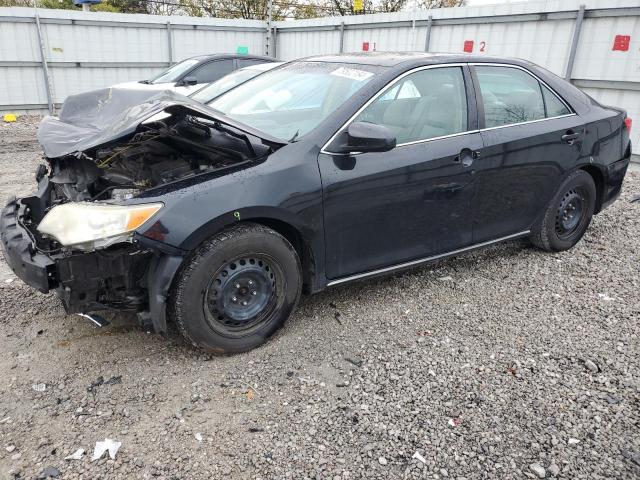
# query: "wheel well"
598,179
295,238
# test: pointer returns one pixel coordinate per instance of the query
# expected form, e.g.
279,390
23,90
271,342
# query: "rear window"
511,95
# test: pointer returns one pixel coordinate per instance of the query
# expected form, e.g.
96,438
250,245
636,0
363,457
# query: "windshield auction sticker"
352,73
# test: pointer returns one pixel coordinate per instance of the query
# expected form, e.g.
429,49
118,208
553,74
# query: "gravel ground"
504,363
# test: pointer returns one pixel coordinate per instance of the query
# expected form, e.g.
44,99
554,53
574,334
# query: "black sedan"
323,171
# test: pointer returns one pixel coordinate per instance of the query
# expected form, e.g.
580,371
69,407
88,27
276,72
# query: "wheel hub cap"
569,213
240,291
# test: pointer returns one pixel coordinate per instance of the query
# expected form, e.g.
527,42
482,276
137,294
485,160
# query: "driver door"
386,208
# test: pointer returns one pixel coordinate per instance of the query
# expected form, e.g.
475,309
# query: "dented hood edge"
95,118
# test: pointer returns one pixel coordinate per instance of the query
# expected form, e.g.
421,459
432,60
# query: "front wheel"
568,214
237,289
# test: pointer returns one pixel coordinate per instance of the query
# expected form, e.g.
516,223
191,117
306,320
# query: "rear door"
382,209
531,139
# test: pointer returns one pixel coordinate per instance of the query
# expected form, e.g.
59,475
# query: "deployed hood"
98,117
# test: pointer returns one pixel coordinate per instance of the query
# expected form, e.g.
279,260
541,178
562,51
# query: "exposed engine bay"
159,153
77,233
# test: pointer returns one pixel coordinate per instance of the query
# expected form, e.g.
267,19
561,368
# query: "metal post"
341,37
170,43
45,67
269,15
275,42
574,43
427,40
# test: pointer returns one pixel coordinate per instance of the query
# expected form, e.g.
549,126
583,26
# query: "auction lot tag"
352,73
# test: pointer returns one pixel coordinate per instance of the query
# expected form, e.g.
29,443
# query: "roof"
391,59
231,55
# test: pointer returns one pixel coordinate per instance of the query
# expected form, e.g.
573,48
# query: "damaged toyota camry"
319,172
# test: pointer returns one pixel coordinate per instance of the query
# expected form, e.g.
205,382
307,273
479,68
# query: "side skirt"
421,261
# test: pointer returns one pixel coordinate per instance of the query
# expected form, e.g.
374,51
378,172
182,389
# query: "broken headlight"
88,225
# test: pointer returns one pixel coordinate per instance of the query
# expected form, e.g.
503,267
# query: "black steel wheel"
236,289
567,215
241,294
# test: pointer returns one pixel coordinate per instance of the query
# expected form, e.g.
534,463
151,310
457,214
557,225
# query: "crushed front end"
78,234
86,281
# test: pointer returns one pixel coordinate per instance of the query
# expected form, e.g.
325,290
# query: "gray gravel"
505,363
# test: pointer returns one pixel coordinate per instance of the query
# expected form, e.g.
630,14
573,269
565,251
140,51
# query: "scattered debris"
10,117
445,279
605,297
108,445
573,441
354,361
250,394
454,422
419,457
591,366
343,384
101,381
336,315
382,461
16,456
256,429
39,387
49,472
198,436
77,455
538,470
10,448
9,280
631,455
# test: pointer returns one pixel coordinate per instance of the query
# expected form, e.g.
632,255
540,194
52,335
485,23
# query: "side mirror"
189,81
364,137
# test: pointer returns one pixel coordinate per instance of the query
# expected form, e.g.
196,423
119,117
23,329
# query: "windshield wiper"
146,82
292,139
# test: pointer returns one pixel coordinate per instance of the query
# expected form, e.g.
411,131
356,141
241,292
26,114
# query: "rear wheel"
568,214
237,289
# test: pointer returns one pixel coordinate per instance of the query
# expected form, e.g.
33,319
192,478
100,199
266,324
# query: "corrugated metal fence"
594,43
85,51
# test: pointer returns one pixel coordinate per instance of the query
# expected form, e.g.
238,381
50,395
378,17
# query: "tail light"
627,123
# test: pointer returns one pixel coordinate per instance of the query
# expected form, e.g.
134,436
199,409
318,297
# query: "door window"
425,104
212,71
552,104
511,95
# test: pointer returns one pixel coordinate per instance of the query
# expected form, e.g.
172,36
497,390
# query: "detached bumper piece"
113,278
34,268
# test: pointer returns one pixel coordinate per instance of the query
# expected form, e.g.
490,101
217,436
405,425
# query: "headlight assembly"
88,225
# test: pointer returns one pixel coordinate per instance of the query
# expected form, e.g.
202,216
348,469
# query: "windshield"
223,85
172,74
292,100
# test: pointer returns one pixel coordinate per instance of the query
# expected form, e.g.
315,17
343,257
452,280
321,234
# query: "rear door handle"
570,137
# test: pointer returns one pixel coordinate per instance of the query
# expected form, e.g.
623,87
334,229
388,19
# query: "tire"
236,289
567,215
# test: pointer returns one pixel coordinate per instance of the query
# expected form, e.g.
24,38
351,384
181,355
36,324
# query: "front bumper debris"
34,268
112,278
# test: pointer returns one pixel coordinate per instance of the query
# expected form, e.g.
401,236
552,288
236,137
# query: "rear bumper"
34,268
615,177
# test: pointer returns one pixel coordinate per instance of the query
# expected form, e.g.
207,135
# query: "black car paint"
353,214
